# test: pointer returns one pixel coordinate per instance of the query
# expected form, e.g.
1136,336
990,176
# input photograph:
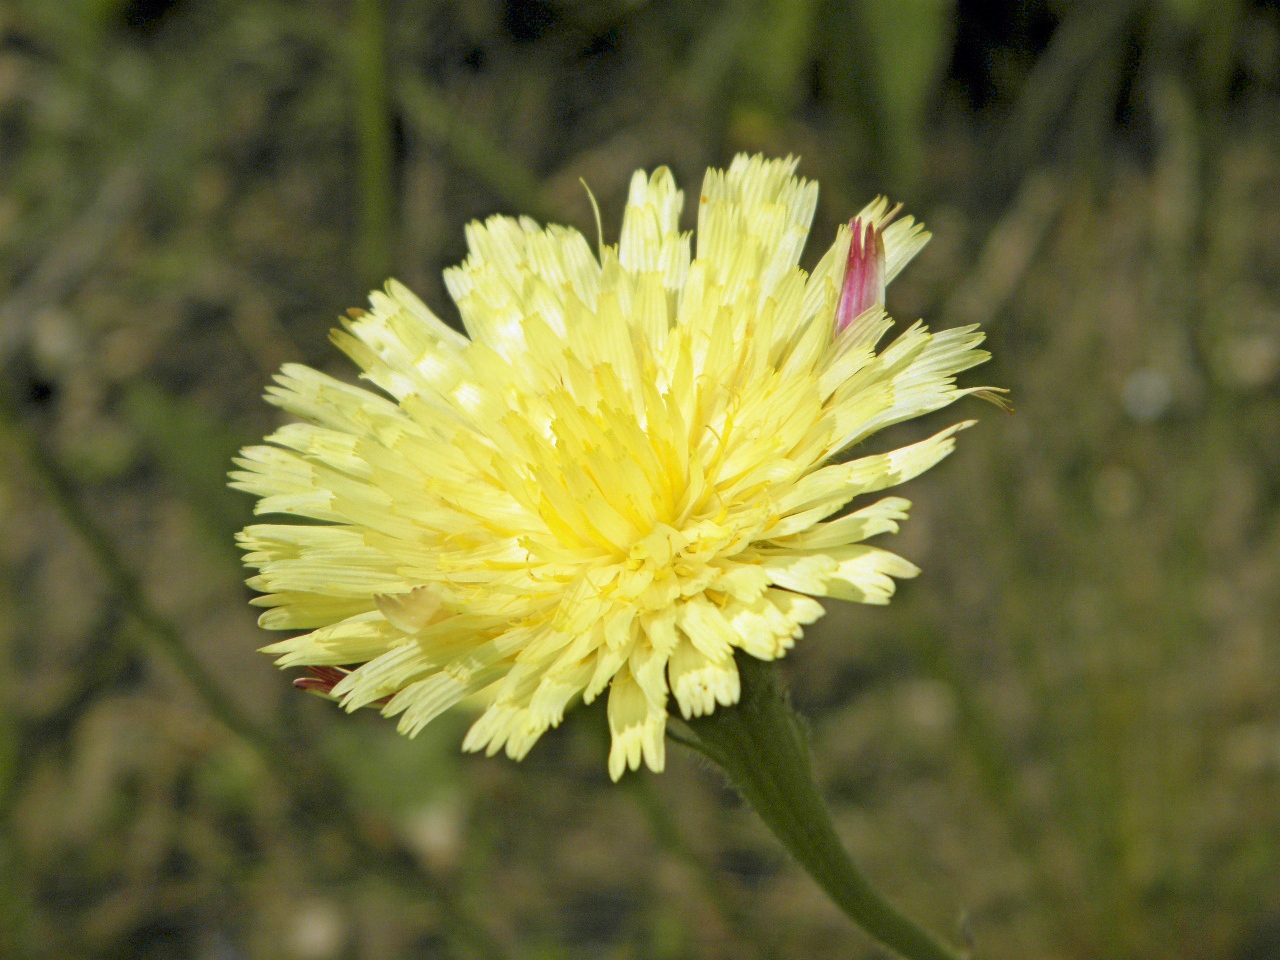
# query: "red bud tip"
864,274
322,680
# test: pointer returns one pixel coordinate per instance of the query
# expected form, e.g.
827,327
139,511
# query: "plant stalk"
762,746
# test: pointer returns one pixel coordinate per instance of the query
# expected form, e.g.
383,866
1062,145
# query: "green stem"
761,745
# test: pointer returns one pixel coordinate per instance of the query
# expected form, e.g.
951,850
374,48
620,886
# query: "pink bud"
322,680
864,275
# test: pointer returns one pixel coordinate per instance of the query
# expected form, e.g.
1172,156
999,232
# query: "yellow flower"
621,474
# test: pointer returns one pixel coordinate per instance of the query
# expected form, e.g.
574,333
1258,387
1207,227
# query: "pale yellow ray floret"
625,470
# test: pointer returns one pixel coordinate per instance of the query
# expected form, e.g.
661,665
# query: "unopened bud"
324,679
321,681
864,275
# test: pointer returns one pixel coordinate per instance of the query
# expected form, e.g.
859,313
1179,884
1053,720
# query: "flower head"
621,474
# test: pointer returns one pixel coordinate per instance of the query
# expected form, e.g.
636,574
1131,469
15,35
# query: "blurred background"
1061,741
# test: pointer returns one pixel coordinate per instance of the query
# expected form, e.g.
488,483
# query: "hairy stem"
761,745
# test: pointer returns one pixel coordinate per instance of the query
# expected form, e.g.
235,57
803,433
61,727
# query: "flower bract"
634,463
